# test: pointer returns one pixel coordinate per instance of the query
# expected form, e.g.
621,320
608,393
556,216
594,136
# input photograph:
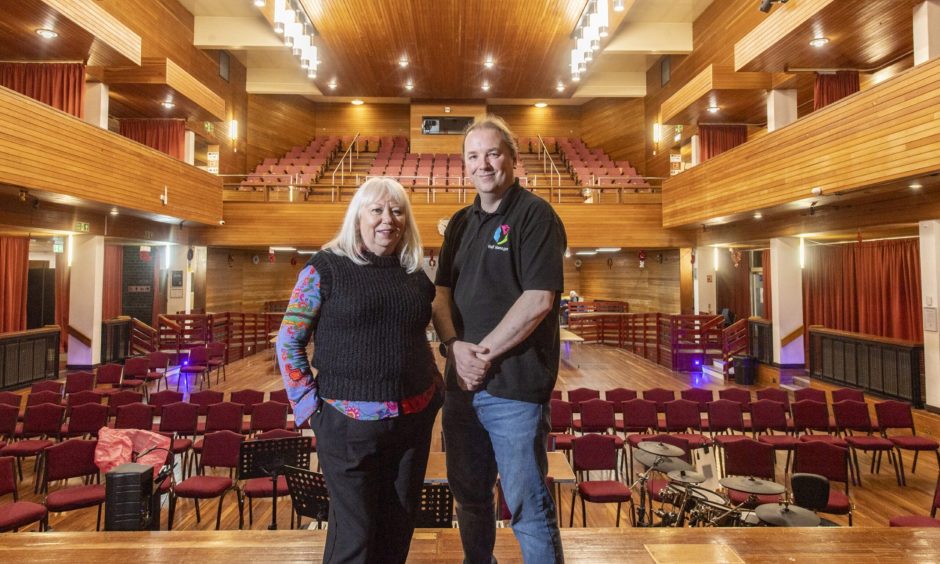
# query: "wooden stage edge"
443,545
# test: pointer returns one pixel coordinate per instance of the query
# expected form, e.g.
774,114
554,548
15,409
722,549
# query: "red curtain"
829,88
872,288
113,281
62,272
765,263
60,85
14,275
741,284
717,139
166,135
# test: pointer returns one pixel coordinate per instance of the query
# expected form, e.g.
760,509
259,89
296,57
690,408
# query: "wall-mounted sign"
82,227
138,289
176,279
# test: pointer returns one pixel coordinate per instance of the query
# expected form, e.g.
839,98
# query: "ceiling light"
560,87
47,33
167,104
819,41
540,104
332,84
576,77
486,85
586,253
403,61
618,5
488,62
278,28
915,186
281,249
758,215
259,3
357,102
713,109
410,85
608,249
306,252
312,73
114,211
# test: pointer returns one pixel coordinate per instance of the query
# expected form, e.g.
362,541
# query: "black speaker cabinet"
130,503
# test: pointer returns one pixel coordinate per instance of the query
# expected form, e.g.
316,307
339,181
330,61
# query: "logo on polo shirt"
501,238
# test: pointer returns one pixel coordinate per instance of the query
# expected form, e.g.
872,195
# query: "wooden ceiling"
862,35
739,97
446,42
140,92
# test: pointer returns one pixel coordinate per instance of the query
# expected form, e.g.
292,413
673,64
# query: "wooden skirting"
443,545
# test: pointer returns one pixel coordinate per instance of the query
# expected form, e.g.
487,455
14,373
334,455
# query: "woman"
367,303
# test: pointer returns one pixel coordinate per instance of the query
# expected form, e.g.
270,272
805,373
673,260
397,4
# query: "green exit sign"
81,227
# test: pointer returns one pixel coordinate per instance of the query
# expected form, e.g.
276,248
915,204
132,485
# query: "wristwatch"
442,348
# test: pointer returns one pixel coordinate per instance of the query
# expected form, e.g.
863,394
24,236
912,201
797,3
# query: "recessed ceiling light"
312,73
713,109
576,77
586,253
915,185
608,249
540,104
332,84
357,102
560,87
486,86
403,61
167,104
758,215
819,41
259,3
114,211
410,85
47,33
488,62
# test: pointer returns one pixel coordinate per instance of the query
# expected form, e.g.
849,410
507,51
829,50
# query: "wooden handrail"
864,336
164,320
792,336
79,336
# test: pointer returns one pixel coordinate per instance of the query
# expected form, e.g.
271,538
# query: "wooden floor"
587,365
594,546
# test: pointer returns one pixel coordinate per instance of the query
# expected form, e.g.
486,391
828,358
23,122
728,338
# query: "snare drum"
703,504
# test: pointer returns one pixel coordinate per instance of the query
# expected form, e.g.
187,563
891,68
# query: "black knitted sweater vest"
369,337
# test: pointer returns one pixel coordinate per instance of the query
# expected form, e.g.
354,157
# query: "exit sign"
81,227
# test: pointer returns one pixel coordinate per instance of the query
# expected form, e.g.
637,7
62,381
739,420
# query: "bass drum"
703,505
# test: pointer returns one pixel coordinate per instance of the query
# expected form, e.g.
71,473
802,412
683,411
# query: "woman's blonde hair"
348,241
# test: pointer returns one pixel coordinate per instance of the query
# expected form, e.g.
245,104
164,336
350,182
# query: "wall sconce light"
657,136
802,254
68,252
233,134
715,257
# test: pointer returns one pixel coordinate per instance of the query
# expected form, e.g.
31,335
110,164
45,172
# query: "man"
496,311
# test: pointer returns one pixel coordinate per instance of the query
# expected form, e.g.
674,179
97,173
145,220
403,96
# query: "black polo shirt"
488,260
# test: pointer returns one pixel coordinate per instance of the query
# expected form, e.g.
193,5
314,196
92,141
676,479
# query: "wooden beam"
109,32
738,95
139,87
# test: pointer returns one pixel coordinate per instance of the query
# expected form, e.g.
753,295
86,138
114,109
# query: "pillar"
85,299
781,108
705,280
96,104
787,299
930,288
926,31
189,147
696,145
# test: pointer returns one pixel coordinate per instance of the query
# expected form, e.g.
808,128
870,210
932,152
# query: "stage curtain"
165,135
765,262
14,276
60,85
113,281
887,275
62,272
717,139
829,88
871,287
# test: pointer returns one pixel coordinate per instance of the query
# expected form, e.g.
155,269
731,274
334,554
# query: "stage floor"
699,545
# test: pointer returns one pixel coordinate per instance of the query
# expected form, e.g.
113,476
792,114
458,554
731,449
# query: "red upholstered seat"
203,487
607,491
21,513
914,521
739,498
75,498
261,487
839,503
25,448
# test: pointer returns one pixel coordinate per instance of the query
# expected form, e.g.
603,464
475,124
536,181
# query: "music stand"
308,494
266,458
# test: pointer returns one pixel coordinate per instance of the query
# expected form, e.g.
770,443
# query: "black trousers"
374,472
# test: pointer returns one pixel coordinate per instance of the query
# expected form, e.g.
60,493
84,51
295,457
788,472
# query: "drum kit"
686,502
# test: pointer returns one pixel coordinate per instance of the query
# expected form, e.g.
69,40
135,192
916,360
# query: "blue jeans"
484,434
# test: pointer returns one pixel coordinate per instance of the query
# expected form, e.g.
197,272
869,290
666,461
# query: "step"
720,363
715,375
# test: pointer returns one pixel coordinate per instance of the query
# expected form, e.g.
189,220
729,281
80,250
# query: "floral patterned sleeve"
292,338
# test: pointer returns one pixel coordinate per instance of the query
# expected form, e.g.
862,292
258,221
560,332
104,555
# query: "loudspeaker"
130,503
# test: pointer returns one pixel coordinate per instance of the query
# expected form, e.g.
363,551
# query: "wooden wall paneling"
740,97
47,150
654,288
249,224
617,126
277,123
142,89
572,276
240,285
421,143
686,282
751,51
114,43
529,121
714,33
887,133
367,119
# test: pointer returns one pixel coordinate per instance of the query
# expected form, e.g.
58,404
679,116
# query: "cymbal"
780,515
751,485
664,465
660,449
686,477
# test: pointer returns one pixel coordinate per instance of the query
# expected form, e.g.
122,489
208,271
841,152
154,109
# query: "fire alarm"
255,259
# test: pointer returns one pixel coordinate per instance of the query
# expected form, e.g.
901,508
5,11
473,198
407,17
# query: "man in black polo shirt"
496,311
